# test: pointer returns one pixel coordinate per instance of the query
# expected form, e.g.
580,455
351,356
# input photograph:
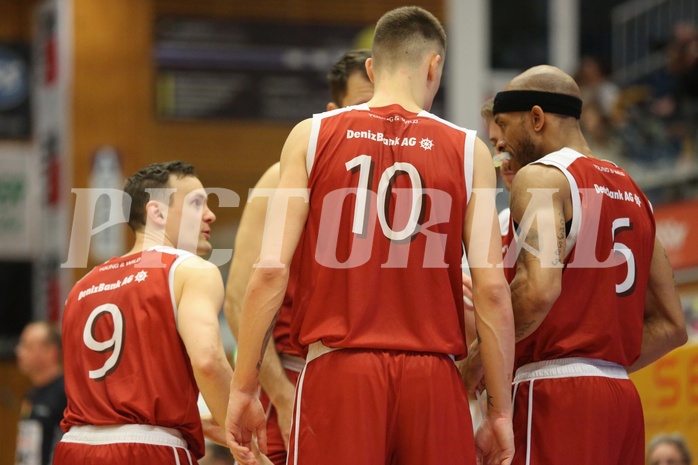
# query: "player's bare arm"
248,244
664,326
493,314
199,295
541,214
265,294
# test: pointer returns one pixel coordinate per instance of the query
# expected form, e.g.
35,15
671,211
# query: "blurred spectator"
668,449
657,121
39,358
600,97
599,130
595,85
684,52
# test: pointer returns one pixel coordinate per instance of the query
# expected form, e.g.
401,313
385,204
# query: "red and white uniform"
570,370
507,228
380,274
130,386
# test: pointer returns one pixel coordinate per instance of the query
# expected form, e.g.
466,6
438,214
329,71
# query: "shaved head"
545,78
538,113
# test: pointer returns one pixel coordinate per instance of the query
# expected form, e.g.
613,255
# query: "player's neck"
145,240
391,90
571,140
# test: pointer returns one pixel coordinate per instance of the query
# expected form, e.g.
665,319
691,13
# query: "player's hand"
244,421
494,442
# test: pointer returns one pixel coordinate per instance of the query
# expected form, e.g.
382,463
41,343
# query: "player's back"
124,360
381,252
599,313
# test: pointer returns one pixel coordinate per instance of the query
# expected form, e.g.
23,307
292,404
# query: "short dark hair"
407,33
153,176
353,61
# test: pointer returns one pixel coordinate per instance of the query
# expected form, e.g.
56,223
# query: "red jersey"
125,362
381,250
600,311
507,229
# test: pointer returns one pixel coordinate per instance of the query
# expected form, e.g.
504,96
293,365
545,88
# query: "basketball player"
349,85
141,334
379,303
593,296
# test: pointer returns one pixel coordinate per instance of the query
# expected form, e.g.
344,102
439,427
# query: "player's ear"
434,63
369,69
537,118
332,106
156,212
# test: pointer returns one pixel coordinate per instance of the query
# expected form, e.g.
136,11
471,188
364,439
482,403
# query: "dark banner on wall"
15,106
211,69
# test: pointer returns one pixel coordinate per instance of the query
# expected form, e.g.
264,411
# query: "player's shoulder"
270,178
191,263
197,272
539,175
431,118
300,132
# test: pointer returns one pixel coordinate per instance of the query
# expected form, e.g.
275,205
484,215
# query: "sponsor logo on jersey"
424,143
618,194
395,119
102,287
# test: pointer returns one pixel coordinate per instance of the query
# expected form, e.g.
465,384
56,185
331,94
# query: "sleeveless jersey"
507,229
381,250
600,311
125,362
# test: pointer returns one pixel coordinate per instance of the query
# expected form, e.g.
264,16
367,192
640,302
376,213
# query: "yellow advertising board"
669,392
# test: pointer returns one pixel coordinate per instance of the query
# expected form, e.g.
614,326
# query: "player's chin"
203,248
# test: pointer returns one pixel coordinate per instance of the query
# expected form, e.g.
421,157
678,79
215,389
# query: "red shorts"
276,449
580,412
110,446
381,406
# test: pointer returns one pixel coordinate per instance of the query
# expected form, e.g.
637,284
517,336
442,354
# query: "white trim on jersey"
469,161
116,434
529,423
181,256
312,143
426,114
315,132
569,367
504,218
295,421
561,160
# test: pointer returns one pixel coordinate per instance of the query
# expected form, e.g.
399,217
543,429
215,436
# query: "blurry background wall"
99,78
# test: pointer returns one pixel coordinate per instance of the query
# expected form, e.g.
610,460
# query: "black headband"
523,100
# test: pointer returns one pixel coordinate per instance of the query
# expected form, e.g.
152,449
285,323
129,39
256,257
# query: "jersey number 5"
628,285
114,343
